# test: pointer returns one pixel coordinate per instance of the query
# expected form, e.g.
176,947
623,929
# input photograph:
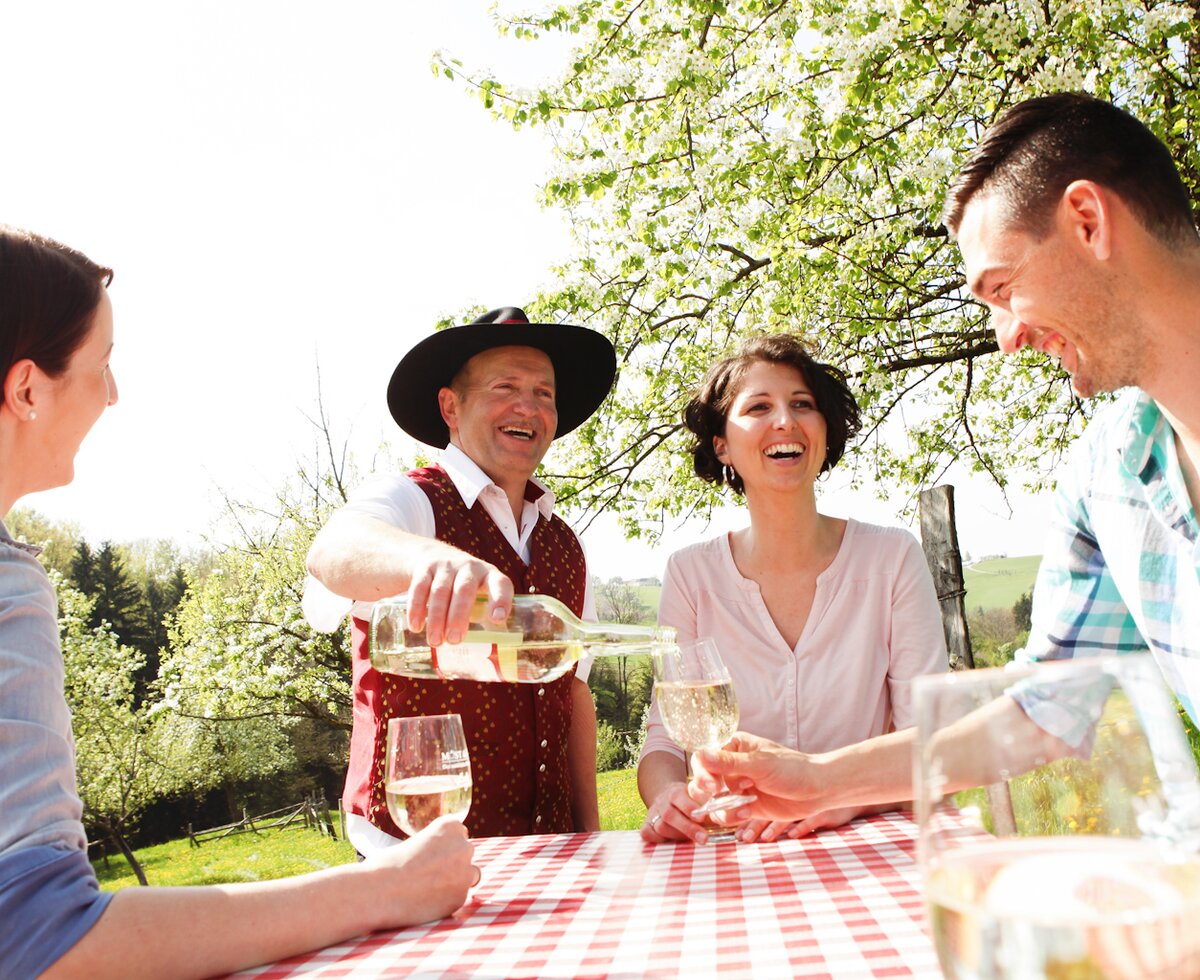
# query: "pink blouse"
874,626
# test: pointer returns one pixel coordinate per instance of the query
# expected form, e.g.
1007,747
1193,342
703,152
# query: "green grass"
1099,794
999,582
296,849
648,596
621,808
246,857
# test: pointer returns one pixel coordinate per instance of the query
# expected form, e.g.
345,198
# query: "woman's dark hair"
48,295
708,409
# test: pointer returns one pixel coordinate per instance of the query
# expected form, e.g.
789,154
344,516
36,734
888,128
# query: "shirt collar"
1147,428
1149,457
470,481
7,538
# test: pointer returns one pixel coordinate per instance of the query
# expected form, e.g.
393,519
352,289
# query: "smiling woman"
823,623
56,335
820,386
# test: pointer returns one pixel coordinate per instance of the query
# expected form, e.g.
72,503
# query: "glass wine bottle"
540,641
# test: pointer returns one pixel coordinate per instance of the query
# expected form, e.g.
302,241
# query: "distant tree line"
620,685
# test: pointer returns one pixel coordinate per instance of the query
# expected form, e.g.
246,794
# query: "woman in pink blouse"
823,622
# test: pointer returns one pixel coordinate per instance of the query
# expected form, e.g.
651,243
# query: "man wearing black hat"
493,394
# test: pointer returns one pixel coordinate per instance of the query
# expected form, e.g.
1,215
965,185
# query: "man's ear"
21,391
1087,209
448,405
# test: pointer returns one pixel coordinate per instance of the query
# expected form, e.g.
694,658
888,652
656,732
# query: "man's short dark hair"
1038,147
707,412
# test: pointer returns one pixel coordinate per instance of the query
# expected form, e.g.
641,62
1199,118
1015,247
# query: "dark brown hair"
708,410
1038,147
48,295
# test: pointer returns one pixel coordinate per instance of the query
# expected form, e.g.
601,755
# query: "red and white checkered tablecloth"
844,903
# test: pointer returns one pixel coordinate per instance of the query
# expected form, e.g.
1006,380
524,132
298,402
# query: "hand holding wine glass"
698,705
428,771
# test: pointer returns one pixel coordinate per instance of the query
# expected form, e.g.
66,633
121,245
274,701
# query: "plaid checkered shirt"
1120,569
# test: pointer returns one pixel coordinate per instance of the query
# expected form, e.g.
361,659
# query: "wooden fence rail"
313,812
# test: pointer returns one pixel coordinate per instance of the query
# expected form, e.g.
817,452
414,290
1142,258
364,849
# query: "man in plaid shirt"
1077,233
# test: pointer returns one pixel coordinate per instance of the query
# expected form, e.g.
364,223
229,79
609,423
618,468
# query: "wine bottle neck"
620,639
618,631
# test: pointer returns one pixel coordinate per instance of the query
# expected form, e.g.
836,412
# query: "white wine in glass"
428,772
698,705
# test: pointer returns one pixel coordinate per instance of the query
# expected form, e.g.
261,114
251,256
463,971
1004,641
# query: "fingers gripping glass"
428,772
698,706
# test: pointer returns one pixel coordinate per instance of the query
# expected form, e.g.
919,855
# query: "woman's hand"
668,818
770,830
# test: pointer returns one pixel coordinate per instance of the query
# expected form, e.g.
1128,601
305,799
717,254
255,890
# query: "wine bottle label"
507,663
498,637
466,661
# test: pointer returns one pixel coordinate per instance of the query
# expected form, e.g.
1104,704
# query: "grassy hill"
995,583
648,597
992,584
999,582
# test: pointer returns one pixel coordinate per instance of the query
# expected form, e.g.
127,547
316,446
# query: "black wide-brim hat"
585,364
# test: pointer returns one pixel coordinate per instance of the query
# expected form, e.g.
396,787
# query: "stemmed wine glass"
698,705
428,771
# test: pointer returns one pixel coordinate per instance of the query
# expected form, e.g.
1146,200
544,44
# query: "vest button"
533,589
538,818
541,691
542,767
544,743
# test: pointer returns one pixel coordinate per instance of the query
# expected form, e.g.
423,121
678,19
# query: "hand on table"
444,587
770,830
669,818
424,878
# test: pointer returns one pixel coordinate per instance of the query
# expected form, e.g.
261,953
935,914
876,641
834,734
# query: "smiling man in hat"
493,394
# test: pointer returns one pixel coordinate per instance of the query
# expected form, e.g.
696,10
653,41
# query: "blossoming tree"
741,166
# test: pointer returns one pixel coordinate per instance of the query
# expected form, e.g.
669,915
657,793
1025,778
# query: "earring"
730,474
32,416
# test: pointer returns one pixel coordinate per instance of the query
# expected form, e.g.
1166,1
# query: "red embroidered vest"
516,733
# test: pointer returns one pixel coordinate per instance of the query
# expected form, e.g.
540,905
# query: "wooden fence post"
939,538
323,809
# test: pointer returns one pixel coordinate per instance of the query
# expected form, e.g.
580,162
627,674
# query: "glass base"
724,801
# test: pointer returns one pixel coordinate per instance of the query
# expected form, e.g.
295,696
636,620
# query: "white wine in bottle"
539,642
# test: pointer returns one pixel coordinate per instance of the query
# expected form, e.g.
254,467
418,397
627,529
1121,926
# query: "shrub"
610,748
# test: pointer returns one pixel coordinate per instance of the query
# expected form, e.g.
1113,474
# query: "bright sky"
281,185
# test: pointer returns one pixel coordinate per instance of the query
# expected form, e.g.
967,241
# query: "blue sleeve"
49,898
